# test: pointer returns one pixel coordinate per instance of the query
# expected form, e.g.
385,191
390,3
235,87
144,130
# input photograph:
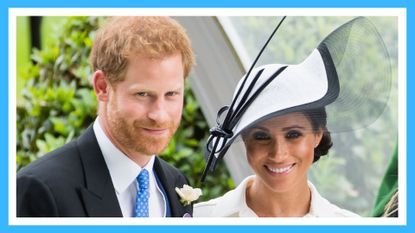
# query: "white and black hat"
349,72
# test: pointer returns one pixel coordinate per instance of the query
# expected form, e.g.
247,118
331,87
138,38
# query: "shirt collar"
123,170
235,202
319,207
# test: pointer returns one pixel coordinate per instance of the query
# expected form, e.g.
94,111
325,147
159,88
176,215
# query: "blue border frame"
5,4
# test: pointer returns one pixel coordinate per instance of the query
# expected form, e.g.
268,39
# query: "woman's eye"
260,136
293,134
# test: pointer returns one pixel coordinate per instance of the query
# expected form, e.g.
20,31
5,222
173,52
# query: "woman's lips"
281,169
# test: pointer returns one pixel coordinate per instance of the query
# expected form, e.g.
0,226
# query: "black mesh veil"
344,75
362,62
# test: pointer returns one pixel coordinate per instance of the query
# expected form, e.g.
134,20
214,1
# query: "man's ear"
101,85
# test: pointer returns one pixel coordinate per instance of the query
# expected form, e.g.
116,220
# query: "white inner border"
398,12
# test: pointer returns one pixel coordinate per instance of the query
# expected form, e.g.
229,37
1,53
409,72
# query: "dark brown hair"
318,119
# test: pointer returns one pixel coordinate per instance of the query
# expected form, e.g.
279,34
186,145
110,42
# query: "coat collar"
169,182
98,195
321,207
233,203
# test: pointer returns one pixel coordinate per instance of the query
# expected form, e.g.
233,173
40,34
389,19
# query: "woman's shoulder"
223,206
205,209
321,207
231,204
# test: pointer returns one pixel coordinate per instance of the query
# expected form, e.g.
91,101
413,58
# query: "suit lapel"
99,195
170,182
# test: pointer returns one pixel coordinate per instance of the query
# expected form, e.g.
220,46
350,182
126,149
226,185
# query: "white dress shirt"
123,172
233,204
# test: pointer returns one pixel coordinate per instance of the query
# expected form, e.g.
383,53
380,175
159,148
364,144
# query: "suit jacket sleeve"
71,181
34,198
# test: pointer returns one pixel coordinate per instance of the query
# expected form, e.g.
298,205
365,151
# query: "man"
139,68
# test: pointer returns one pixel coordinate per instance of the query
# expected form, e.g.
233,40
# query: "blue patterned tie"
141,205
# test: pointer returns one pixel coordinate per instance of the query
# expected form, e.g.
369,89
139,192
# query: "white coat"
233,204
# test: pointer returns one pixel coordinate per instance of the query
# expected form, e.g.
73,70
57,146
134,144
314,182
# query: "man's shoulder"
63,160
60,161
168,168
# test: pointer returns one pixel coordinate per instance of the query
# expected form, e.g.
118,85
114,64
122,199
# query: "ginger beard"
131,133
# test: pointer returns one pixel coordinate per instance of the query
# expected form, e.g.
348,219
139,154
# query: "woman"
280,113
280,151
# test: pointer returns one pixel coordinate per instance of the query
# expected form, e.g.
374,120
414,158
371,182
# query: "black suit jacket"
74,181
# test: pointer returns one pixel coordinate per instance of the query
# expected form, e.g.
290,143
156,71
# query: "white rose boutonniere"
188,194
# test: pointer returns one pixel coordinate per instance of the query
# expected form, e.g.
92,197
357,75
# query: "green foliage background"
56,103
